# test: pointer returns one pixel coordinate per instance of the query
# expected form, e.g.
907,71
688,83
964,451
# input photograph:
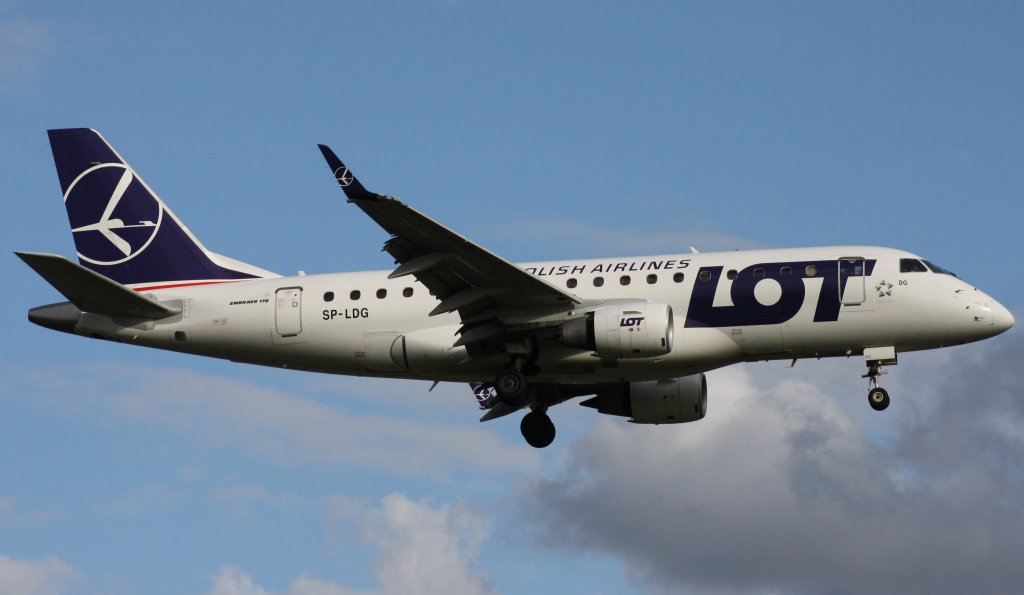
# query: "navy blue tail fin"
486,397
122,229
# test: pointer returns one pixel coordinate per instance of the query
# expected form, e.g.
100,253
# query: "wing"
464,276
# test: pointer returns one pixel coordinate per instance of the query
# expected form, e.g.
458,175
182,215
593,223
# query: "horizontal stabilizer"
93,292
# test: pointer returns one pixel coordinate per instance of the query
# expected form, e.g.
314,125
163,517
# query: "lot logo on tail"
114,217
343,176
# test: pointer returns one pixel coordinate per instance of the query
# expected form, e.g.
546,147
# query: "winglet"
348,182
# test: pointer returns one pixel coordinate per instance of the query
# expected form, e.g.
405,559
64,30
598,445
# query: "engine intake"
674,401
633,329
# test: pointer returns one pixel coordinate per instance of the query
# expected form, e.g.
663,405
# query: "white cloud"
781,489
230,580
284,427
420,548
24,48
48,576
426,549
310,586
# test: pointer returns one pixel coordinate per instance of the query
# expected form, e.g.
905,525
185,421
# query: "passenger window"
571,283
811,270
329,296
759,273
786,271
678,277
624,280
652,279
731,274
598,281
354,295
705,275
382,293
912,265
407,292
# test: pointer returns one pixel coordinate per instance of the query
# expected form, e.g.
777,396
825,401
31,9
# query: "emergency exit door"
288,311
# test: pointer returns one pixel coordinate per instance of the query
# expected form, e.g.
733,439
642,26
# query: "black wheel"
538,429
511,387
878,398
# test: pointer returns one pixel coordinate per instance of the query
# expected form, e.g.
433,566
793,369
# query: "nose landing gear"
875,358
878,397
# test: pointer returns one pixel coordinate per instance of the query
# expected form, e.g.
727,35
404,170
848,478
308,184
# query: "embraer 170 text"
635,334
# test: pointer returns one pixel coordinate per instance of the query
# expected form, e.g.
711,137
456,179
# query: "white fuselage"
779,304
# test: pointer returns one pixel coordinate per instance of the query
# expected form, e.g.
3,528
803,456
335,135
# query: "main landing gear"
537,428
511,387
514,391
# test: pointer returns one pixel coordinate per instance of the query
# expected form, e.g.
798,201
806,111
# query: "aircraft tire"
538,429
878,398
511,387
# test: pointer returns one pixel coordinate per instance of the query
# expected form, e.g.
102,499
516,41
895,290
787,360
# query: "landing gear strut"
878,397
537,428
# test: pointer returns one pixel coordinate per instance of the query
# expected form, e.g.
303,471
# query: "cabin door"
288,311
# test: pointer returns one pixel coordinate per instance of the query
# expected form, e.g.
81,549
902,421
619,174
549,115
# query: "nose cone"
987,317
1002,319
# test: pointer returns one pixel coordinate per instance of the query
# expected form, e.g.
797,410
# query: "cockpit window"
939,269
912,265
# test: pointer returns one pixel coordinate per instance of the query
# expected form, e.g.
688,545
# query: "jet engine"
632,329
674,401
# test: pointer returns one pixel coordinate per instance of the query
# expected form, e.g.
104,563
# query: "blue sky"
540,130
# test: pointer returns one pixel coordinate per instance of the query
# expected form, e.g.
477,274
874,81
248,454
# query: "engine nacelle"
633,329
674,401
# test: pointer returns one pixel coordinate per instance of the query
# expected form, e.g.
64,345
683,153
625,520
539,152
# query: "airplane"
634,334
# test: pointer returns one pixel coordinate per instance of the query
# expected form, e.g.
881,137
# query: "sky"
540,130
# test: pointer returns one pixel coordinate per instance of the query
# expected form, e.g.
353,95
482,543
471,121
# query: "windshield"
936,268
912,265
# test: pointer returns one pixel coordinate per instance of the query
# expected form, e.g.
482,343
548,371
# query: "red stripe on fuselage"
173,285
